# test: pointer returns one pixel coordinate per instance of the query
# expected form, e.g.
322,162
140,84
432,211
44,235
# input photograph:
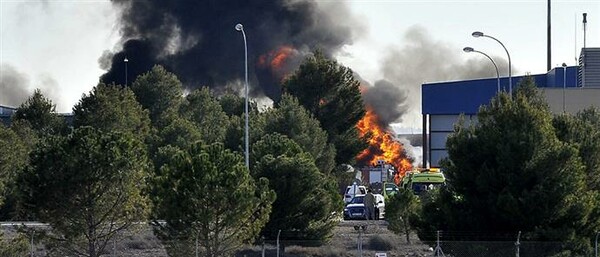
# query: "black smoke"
197,40
387,100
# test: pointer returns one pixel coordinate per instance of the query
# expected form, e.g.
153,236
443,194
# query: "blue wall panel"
467,96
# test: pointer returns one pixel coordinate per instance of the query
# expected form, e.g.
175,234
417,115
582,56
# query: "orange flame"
280,57
279,61
382,146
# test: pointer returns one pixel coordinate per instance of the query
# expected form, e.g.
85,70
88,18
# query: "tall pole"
564,65
240,27
470,49
549,40
480,34
125,61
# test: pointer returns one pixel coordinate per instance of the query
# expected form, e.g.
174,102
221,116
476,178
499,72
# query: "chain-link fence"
362,238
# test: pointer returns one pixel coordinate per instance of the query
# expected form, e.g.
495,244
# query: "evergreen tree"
205,193
160,92
510,168
400,209
330,92
307,200
40,114
87,186
112,108
583,130
291,119
13,158
204,110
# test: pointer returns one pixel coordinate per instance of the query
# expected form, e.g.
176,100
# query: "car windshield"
358,199
421,187
391,189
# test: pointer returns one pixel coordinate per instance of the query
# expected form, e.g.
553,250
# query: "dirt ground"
376,239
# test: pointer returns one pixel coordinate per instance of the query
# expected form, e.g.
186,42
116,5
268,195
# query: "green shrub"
380,243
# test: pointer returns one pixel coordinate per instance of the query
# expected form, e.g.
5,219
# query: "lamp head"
125,60
239,27
564,65
468,49
477,34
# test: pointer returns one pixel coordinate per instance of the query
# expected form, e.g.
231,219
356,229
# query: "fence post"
32,233
438,248
278,233
263,245
517,244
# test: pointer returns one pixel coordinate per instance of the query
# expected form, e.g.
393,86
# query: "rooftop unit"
589,67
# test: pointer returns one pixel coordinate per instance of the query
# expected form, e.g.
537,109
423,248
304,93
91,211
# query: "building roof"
466,96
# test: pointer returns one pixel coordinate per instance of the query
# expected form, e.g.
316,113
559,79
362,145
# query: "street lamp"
564,65
125,61
240,27
480,34
470,49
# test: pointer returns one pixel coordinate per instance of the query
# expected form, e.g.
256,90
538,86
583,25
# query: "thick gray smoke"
13,86
387,100
197,40
423,60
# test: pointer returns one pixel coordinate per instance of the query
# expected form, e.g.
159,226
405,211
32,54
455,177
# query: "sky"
56,45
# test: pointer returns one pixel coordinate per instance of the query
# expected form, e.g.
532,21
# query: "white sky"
519,24
61,40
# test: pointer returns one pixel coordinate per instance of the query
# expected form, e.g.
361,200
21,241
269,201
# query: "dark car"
356,208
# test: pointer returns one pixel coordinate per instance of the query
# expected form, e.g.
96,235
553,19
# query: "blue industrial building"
566,89
6,114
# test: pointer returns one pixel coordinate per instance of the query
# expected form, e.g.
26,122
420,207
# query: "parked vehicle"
356,208
423,180
352,191
387,189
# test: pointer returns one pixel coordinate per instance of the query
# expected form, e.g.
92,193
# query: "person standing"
370,205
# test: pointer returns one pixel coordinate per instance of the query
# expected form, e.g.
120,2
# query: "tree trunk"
91,245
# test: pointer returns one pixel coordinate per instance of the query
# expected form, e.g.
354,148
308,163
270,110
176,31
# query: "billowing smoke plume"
197,39
423,60
13,86
387,100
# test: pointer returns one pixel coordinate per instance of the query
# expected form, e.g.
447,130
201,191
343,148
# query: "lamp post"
240,27
564,65
125,61
480,34
470,49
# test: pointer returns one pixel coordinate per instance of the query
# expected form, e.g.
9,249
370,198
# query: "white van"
352,191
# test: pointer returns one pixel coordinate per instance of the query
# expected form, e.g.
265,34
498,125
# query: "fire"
280,57
382,146
277,59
